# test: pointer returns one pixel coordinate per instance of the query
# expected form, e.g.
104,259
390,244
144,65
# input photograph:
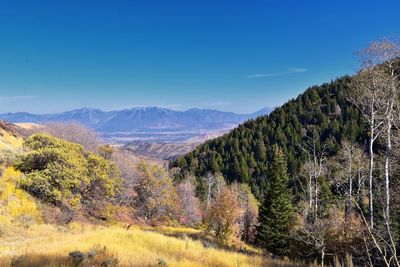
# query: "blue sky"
228,55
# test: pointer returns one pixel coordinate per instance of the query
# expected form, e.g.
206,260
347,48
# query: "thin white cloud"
17,97
274,74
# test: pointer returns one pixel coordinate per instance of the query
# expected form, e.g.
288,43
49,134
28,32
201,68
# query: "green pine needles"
277,210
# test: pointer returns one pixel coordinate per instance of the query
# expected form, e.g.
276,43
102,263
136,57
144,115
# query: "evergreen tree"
277,211
261,151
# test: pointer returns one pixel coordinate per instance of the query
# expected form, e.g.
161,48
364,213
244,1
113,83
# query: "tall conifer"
277,210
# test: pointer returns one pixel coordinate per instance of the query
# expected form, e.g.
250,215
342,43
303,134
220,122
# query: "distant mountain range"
150,124
134,119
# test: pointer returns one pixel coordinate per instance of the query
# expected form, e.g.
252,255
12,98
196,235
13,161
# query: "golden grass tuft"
15,204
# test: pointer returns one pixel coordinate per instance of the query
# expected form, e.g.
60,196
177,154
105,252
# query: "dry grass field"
48,245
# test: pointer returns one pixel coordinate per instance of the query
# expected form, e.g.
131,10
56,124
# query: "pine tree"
261,151
277,210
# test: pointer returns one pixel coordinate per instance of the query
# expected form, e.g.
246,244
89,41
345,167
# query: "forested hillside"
322,112
324,167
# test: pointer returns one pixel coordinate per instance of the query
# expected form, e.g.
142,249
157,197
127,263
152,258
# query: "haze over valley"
151,124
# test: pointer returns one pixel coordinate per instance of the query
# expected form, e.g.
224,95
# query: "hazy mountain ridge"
169,151
160,150
146,119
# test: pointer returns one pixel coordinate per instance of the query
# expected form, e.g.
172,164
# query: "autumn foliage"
156,200
223,217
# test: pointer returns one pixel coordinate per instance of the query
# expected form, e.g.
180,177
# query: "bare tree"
368,99
381,63
378,237
314,168
382,57
214,182
313,230
351,168
189,203
76,133
315,235
127,164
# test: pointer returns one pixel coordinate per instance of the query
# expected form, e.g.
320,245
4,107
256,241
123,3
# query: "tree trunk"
350,193
387,178
209,185
310,189
371,173
349,259
336,262
315,196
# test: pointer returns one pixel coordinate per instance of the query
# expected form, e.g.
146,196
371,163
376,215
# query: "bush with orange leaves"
346,233
223,217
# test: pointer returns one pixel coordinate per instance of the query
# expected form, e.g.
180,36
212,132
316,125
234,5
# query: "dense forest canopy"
324,112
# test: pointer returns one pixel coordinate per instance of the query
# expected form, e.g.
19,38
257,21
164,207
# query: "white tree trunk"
350,180
371,175
315,182
210,182
310,192
322,257
387,172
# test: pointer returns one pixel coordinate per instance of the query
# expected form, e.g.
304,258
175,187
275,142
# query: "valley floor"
48,245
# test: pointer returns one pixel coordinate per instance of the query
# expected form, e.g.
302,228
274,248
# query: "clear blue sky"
228,55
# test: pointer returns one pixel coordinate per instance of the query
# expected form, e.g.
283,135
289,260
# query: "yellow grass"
15,204
9,141
182,230
46,245
169,230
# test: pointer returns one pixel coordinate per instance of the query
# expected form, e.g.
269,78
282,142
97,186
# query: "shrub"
7,156
67,175
162,262
156,199
97,256
223,217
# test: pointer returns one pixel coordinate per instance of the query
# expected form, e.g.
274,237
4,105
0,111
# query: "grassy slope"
49,245
46,245
132,247
9,141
